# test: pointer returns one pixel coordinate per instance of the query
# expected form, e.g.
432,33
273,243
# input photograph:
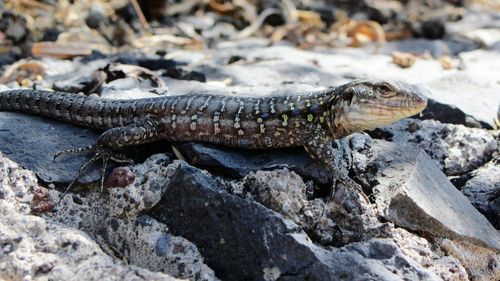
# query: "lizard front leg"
332,155
143,131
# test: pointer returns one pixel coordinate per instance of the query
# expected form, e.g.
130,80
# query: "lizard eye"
385,90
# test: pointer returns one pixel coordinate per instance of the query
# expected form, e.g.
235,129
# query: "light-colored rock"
115,221
36,249
455,148
413,193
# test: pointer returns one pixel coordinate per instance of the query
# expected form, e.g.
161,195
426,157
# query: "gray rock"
241,239
330,221
32,142
146,243
455,148
483,190
479,25
116,222
413,193
34,248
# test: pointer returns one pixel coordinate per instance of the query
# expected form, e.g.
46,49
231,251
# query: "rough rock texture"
483,190
278,217
455,148
412,192
36,248
330,222
241,239
115,220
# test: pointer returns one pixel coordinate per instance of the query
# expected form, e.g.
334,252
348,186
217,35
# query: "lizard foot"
100,152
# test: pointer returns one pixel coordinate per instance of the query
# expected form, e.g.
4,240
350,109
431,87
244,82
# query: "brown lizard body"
311,120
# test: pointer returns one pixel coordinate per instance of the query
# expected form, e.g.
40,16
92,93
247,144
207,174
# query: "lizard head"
362,105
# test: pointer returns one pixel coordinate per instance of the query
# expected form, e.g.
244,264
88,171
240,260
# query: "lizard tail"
72,108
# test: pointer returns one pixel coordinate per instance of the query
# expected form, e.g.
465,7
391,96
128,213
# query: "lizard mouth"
398,108
412,104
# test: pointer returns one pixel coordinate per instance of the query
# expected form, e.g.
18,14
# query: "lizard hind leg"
140,132
100,152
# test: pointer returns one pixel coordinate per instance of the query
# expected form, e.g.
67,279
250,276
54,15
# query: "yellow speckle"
262,128
322,119
310,117
259,120
285,119
277,134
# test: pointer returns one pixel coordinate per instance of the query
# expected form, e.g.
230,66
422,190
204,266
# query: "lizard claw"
100,152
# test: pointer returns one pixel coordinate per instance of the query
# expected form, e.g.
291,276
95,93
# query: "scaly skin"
311,120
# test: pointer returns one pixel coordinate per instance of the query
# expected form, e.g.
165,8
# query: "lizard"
312,120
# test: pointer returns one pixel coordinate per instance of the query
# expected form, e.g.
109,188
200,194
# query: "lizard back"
249,122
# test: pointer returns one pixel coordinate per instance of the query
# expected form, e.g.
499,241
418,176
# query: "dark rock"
276,19
32,142
51,34
149,62
237,163
432,29
447,113
75,84
97,16
181,74
8,58
242,240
